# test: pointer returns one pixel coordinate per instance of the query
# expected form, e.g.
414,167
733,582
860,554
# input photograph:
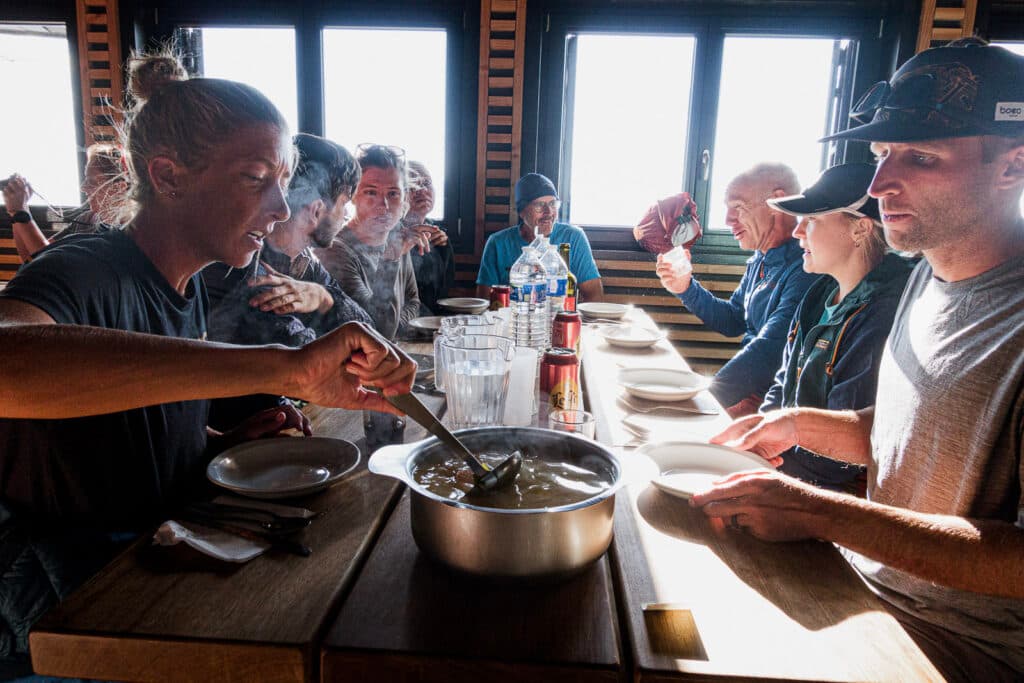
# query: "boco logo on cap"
1009,111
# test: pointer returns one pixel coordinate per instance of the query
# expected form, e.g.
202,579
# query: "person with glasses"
369,258
762,306
839,330
435,269
538,204
940,537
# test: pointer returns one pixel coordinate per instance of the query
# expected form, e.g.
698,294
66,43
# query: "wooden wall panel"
100,68
945,20
500,118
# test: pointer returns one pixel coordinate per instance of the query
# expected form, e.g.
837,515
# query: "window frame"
156,21
548,131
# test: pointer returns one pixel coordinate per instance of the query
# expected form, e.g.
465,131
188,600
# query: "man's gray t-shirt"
947,436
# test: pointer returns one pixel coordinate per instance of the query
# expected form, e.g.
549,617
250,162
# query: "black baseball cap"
947,92
839,189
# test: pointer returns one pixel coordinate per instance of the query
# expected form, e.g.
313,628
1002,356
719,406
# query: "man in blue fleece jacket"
762,306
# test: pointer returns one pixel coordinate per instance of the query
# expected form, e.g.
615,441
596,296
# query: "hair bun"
148,74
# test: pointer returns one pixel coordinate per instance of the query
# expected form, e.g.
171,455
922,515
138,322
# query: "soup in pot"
542,483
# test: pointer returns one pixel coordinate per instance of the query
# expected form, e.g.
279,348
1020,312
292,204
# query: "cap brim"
897,131
793,205
801,206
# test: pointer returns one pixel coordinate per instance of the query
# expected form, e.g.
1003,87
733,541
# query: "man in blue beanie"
537,203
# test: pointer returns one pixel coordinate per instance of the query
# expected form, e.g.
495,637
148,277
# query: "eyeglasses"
365,148
918,91
538,207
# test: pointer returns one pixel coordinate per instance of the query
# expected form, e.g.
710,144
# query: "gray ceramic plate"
283,467
464,304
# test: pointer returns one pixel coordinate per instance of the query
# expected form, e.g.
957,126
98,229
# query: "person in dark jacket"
285,296
434,266
836,339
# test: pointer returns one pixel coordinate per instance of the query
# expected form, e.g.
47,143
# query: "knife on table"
275,541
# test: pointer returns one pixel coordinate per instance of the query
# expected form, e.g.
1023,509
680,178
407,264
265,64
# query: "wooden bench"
629,277
9,260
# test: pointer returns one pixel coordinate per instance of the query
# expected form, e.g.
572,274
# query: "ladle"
487,478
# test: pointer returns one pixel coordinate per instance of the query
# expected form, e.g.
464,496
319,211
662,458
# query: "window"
40,141
389,86
634,108
261,57
630,124
749,130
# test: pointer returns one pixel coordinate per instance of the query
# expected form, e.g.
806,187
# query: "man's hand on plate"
768,505
767,434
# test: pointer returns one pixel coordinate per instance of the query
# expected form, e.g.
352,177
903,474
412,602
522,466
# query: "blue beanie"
531,186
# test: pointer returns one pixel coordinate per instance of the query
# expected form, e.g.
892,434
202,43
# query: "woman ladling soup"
104,394
839,330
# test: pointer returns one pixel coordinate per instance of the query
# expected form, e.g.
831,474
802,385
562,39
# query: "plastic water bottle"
531,325
558,274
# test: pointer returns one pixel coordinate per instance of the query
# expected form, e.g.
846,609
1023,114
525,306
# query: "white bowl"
464,304
631,336
688,467
660,384
601,309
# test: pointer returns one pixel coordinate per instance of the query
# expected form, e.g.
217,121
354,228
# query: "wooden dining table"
676,596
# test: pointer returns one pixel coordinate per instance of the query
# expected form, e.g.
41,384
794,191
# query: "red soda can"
560,379
500,296
565,331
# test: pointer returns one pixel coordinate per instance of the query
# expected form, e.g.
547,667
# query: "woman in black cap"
838,332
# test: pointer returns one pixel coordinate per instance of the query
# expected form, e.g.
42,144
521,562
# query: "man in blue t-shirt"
537,203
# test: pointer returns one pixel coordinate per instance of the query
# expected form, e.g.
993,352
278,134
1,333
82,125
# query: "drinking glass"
573,421
680,262
476,370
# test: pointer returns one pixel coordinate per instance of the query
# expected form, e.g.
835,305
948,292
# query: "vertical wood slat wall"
945,20
500,114
100,68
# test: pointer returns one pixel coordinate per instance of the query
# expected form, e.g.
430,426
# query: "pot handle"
390,461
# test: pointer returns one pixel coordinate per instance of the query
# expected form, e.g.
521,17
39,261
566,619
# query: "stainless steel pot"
508,543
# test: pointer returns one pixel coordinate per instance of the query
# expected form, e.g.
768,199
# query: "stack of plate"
464,304
600,310
661,384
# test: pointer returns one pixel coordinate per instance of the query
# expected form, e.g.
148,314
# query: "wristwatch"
21,217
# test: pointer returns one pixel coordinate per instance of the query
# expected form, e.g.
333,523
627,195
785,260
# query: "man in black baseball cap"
941,535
